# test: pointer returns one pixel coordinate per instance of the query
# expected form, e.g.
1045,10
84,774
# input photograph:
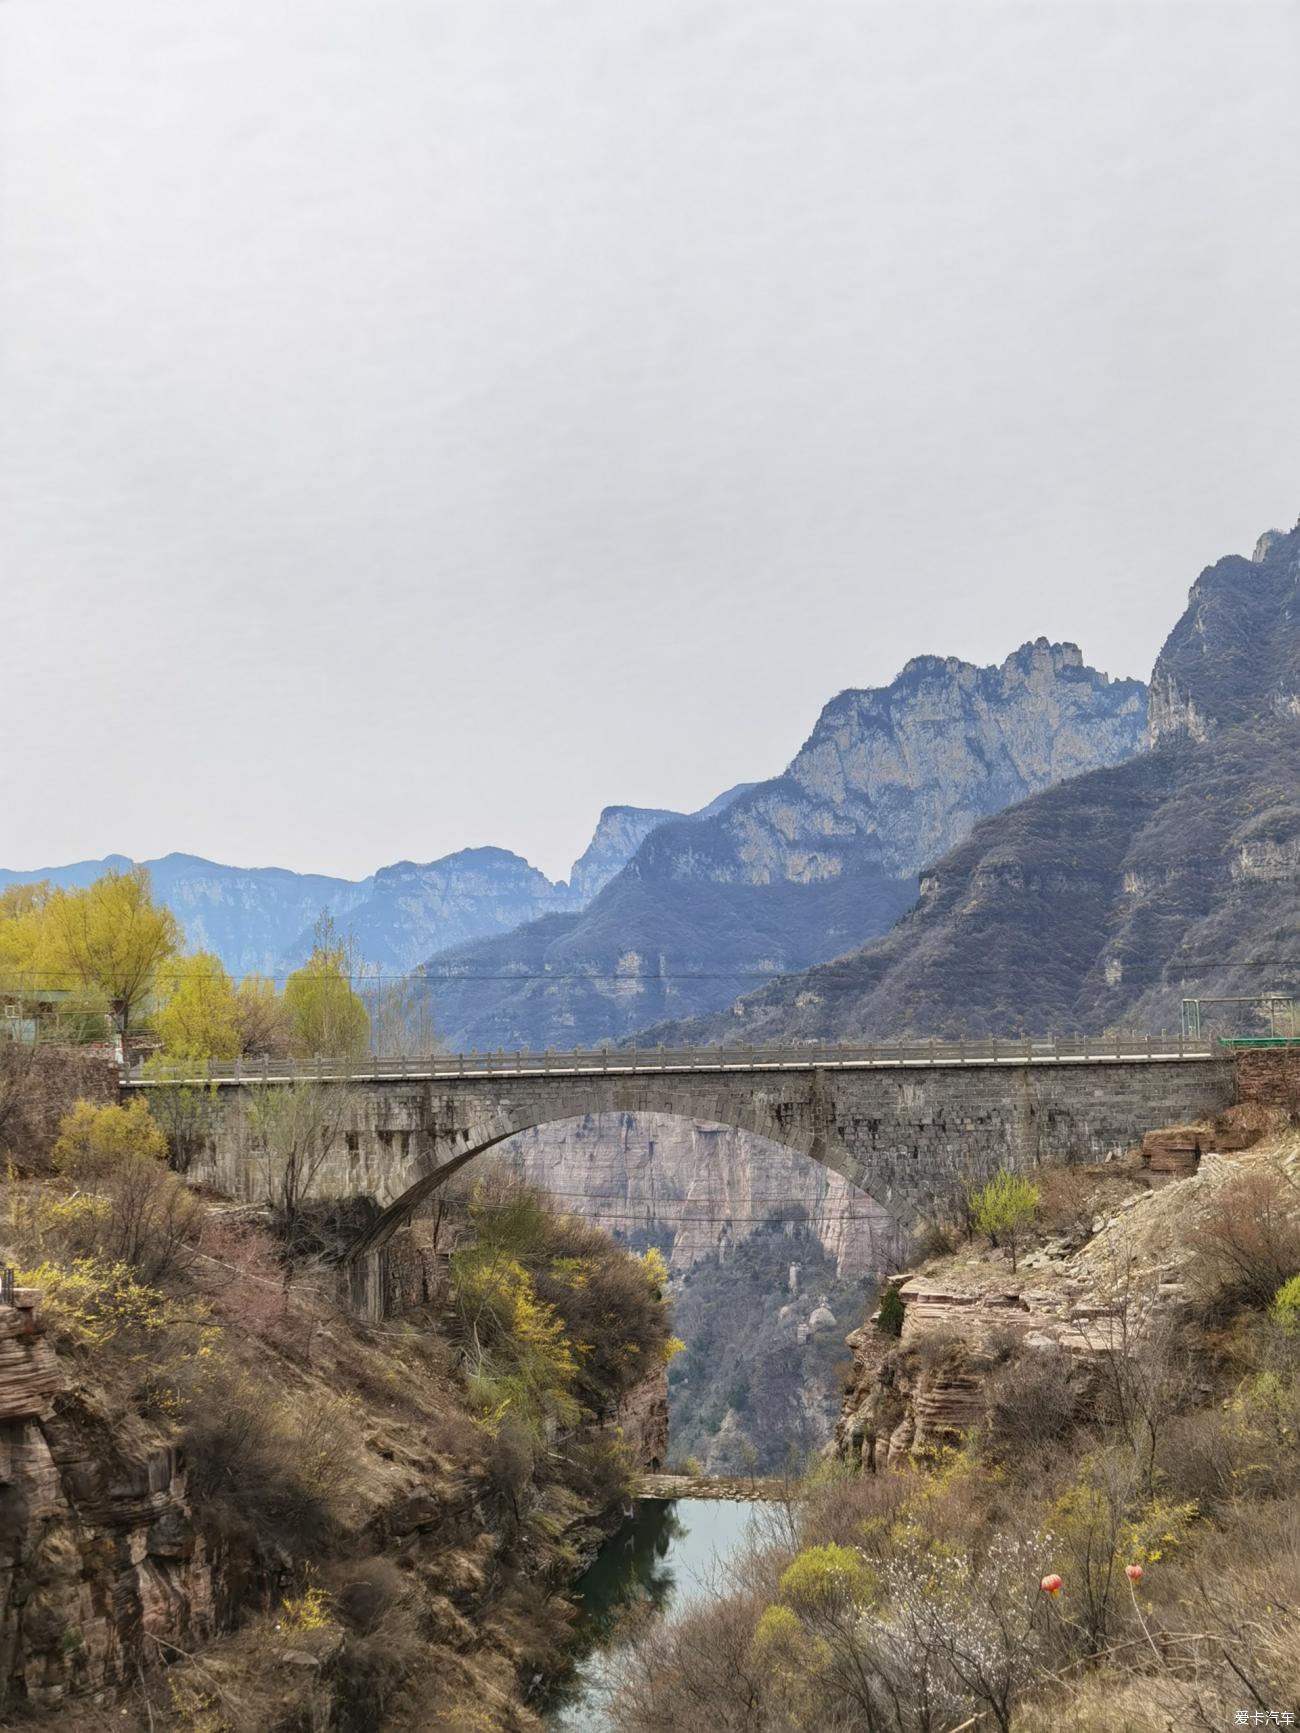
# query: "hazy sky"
424,423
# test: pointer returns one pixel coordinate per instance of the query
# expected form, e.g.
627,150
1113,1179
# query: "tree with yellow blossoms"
199,1017
326,1018
110,938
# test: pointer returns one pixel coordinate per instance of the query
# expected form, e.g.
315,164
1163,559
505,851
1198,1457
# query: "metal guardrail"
632,1061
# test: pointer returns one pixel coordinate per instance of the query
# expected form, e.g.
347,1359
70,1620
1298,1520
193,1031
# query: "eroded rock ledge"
1075,1299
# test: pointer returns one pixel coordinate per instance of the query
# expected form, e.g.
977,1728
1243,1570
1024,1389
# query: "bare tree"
296,1127
187,1114
401,1015
1249,1243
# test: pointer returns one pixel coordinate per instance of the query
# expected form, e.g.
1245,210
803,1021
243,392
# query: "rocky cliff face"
66,1497
1233,659
619,833
1114,895
112,1571
1080,1299
640,1422
896,775
802,866
698,1189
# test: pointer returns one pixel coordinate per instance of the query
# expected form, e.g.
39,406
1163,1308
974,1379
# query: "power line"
733,1221
786,1202
366,978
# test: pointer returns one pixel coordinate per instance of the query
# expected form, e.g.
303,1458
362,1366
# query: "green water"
661,1560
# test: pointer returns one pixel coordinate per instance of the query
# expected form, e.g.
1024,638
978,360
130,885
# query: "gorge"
463,1420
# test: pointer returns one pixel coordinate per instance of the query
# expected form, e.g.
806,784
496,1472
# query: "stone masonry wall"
1269,1076
40,1083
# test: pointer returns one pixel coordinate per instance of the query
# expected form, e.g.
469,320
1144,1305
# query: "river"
663,1557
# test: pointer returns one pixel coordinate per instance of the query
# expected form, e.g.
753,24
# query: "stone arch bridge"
899,1121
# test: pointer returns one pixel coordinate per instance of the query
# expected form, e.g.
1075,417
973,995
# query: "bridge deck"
632,1061
739,1489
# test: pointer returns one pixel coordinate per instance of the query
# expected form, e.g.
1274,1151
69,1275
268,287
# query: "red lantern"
1051,1585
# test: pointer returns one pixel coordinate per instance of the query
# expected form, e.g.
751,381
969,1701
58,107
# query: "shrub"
100,1304
556,1318
605,1472
152,1222
312,1610
694,1672
940,1345
1004,1208
1286,1306
948,1222
1030,1403
369,1588
261,1467
49,1222
824,1579
892,1311
1249,1242
95,1141
243,1267
138,1214
1202,1455
520,1358
1068,1194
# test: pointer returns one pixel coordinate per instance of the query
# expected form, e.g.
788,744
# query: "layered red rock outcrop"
96,1551
915,1392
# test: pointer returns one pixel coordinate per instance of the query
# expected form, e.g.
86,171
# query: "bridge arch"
796,1127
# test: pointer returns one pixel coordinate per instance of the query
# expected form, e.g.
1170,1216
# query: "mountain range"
1030,845
260,920
798,868
1108,899
667,914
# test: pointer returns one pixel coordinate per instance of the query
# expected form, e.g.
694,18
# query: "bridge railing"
1021,1050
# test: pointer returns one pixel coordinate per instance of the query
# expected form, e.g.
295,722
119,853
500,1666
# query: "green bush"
557,1319
97,1141
1004,1208
1286,1305
889,1319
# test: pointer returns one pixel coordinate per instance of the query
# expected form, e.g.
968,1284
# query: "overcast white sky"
422,424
